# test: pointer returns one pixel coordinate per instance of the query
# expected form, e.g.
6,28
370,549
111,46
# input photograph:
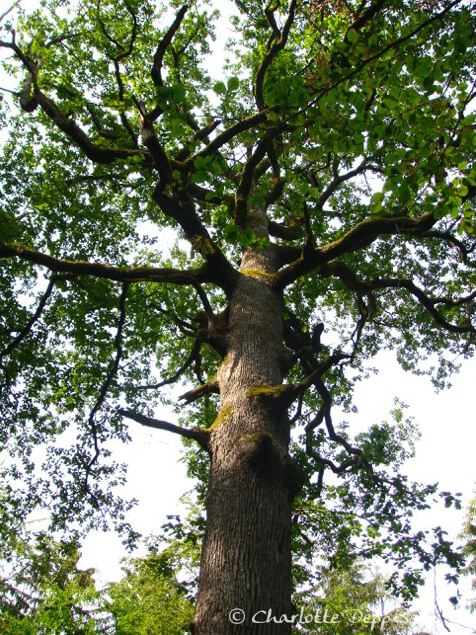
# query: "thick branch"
94,152
31,97
201,134
183,212
247,178
286,232
368,15
201,436
110,272
154,146
359,237
230,133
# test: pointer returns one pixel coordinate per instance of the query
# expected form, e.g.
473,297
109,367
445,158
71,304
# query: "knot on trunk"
271,464
213,330
275,398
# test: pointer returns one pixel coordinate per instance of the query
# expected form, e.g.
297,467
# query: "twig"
105,388
14,5
35,317
176,376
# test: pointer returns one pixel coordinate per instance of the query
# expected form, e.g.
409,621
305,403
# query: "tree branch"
359,237
110,272
156,71
94,152
377,55
104,390
351,281
227,135
34,318
246,181
429,302
325,414
154,146
176,376
13,6
181,209
277,43
367,15
339,179
201,436
199,392
463,250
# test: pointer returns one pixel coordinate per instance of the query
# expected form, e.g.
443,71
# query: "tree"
43,591
349,602
325,190
469,536
153,592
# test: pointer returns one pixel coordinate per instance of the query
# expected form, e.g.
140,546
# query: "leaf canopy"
135,175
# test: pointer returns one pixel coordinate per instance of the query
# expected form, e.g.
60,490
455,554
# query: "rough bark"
246,553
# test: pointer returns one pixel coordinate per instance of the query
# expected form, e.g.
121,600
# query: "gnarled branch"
359,237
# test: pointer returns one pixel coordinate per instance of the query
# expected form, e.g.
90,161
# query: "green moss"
223,415
258,438
256,273
271,391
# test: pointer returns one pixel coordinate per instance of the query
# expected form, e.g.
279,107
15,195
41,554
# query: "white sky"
445,454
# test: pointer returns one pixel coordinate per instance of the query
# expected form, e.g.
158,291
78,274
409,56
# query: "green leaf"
352,36
233,83
178,91
219,88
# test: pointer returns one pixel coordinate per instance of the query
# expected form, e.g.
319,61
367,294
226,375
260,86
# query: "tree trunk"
246,556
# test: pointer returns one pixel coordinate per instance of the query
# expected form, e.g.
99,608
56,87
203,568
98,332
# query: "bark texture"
246,554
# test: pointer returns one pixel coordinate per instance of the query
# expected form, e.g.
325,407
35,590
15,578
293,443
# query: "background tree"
156,590
469,536
43,591
323,198
359,602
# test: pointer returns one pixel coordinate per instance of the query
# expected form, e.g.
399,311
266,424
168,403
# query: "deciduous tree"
43,591
322,189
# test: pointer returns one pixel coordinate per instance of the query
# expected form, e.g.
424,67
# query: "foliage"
339,140
349,603
469,536
43,591
150,594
